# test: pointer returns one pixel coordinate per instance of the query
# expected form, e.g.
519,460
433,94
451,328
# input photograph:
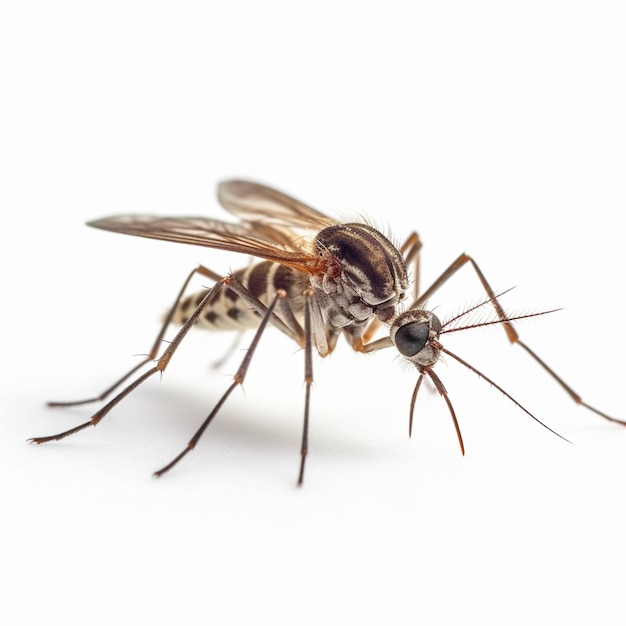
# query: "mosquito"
316,278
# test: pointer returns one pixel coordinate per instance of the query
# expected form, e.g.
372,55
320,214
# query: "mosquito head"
415,333
369,274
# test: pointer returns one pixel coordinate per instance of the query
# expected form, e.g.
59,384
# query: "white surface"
494,128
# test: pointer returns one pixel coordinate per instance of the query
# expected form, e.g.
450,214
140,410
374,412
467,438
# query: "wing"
245,238
254,203
274,226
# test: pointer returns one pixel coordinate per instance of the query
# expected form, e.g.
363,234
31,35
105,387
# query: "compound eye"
411,338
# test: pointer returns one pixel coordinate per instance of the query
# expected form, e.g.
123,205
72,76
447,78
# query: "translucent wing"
273,227
254,203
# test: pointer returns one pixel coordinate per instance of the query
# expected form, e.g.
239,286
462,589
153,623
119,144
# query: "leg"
410,249
230,282
308,381
511,333
155,346
160,366
238,380
234,285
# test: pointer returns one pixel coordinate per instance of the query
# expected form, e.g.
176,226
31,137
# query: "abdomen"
229,312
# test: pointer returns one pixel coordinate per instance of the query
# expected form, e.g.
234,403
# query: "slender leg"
511,333
156,346
238,380
160,366
288,326
411,249
308,381
229,282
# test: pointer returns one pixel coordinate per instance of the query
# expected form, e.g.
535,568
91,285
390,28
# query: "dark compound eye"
411,338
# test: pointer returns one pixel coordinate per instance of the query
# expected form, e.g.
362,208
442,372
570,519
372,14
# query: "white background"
497,128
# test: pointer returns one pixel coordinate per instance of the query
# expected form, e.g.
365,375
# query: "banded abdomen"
230,312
